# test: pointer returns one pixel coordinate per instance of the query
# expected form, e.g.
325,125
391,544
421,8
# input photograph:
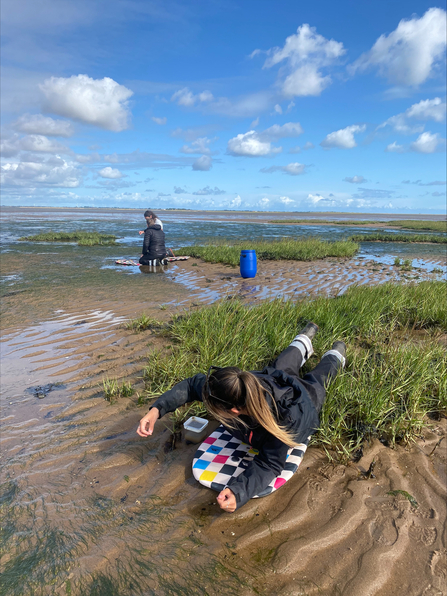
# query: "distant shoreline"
241,215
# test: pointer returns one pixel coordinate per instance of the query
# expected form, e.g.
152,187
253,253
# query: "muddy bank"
91,508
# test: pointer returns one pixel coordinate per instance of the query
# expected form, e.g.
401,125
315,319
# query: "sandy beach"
328,531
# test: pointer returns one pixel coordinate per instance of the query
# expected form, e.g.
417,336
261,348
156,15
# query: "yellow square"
208,476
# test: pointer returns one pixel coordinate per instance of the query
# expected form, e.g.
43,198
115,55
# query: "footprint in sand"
431,591
438,564
383,530
426,536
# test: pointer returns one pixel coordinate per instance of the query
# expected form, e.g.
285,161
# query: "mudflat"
91,508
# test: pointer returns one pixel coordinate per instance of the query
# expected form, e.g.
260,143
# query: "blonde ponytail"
231,387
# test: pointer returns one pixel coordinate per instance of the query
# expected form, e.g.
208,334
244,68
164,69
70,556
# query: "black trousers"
291,360
151,259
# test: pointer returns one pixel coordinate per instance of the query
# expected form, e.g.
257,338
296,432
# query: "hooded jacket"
296,412
154,243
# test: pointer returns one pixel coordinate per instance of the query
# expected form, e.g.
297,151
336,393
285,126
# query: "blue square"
214,449
201,465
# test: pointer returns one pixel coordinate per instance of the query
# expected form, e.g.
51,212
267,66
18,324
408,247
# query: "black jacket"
295,410
154,243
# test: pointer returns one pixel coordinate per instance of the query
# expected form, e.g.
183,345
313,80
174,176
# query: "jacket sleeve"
147,241
182,393
262,469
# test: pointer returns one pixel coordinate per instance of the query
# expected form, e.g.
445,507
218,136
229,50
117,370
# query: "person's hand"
146,426
141,232
227,500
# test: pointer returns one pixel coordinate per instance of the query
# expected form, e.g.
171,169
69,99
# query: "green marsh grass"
142,323
381,237
391,382
432,226
182,414
79,236
221,251
404,264
113,390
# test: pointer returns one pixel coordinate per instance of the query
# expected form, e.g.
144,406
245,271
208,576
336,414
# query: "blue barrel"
248,263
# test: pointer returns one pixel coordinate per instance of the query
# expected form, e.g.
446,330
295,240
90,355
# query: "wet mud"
89,507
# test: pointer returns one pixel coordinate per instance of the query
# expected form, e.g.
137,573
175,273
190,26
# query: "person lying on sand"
154,248
271,410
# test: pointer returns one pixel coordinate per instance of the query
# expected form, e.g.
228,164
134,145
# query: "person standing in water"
271,410
154,249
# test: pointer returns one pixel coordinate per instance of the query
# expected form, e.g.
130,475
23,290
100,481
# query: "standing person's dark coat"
153,245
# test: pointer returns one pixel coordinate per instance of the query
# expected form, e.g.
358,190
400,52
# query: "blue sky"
258,105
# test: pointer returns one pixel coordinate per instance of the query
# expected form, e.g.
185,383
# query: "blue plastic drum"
248,263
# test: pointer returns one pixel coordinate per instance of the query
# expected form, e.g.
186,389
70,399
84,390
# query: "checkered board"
222,457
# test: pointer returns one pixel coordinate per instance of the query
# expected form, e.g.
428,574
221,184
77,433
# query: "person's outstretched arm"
184,392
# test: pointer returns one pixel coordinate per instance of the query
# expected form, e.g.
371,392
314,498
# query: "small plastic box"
195,429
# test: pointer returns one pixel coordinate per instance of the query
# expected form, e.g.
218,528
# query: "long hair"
149,213
232,387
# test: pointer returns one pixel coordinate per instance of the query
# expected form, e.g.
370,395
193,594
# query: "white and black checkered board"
222,457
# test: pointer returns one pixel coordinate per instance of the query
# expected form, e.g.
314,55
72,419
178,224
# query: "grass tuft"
222,251
380,237
113,390
142,323
79,236
411,224
404,264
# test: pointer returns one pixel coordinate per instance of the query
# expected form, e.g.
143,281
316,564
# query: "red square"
279,482
210,440
220,459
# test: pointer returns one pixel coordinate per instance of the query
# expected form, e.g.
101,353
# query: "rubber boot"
303,341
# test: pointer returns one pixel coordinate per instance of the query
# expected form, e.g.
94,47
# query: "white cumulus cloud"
288,130
37,143
343,138
43,125
200,145
395,148
185,97
408,55
111,173
159,121
100,102
259,144
203,164
250,144
236,202
293,169
207,190
286,200
53,172
426,143
427,109
305,53
314,199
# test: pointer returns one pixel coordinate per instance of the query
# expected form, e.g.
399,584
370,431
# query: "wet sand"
131,510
